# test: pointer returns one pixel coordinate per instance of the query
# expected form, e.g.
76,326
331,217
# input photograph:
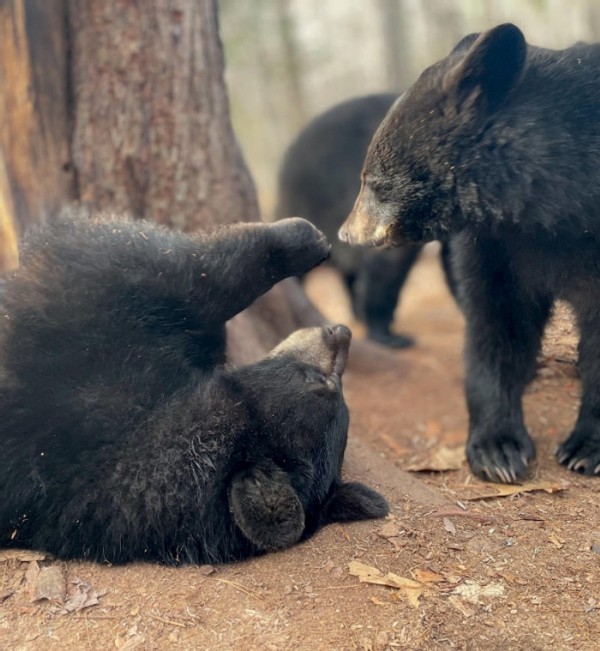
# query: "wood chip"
462,608
50,584
472,592
21,555
449,526
427,576
556,541
206,570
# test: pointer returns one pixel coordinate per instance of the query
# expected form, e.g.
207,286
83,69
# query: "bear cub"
496,149
319,180
124,433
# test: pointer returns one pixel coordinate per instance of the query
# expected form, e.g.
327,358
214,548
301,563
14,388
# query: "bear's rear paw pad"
390,339
500,457
581,451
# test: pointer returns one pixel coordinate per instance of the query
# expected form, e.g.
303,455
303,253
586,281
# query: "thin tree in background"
396,45
291,54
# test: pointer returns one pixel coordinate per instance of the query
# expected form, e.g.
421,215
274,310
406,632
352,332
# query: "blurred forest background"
288,60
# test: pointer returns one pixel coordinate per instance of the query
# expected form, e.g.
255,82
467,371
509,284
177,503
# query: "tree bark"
122,105
152,132
36,176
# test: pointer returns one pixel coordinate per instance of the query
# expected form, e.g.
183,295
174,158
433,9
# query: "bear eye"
311,376
381,187
319,381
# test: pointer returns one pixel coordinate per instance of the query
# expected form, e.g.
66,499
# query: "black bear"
497,147
319,180
125,435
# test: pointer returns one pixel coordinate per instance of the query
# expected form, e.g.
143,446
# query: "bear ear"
266,507
491,68
465,43
354,501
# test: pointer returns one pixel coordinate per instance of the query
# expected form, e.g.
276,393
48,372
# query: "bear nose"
340,332
344,235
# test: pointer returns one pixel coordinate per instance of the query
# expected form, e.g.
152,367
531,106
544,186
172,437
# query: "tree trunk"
122,105
36,176
152,133
291,61
396,45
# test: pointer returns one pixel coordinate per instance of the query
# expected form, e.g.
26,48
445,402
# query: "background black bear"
123,434
319,180
498,145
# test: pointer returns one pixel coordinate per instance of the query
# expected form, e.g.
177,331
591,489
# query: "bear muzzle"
369,223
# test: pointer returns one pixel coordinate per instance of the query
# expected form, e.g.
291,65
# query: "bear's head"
419,179
290,483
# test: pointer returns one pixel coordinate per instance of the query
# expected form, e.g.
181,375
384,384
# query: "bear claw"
581,452
501,458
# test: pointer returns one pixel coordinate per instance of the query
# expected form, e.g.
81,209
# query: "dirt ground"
457,564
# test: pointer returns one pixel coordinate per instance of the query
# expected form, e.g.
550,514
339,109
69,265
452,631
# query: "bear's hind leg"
377,289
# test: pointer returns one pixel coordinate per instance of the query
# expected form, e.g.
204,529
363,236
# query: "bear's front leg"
504,328
240,263
581,451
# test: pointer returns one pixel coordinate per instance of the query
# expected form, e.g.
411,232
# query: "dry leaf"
367,574
390,531
492,491
80,595
439,459
50,584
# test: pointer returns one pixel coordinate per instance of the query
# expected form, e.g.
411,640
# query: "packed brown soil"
456,564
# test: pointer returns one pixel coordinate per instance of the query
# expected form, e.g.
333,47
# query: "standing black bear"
498,145
319,180
123,434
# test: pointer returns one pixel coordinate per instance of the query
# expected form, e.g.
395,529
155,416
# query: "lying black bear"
498,147
124,435
319,180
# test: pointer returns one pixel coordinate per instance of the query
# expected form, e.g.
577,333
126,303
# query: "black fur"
497,148
123,434
319,180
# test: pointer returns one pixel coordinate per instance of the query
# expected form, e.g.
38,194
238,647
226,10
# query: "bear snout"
368,223
338,337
